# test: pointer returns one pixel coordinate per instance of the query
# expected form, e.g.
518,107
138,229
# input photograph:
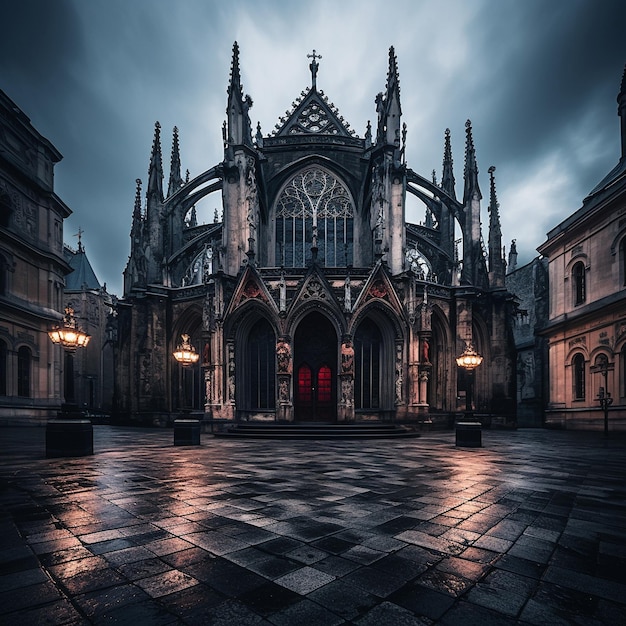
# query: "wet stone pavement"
528,529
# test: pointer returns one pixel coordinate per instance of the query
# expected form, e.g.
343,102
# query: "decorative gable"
251,287
378,287
315,288
312,114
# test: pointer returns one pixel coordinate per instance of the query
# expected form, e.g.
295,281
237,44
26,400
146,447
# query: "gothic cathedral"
313,299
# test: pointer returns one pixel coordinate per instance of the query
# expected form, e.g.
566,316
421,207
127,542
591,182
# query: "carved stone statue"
283,355
347,357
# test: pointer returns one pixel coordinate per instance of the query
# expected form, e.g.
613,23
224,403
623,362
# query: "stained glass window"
418,263
367,349
314,202
261,366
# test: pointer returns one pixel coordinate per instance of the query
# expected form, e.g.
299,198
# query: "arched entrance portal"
315,369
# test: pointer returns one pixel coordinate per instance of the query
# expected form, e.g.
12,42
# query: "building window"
418,263
622,261
578,282
578,367
6,208
314,205
367,353
3,368
4,275
23,372
262,366
622,363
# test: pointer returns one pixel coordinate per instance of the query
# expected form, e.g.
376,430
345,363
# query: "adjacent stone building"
309,297
32,270
91,373
587,321
529,283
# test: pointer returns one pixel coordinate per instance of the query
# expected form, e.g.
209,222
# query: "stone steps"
363,430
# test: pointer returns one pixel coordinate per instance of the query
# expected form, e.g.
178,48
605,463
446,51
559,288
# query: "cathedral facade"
313,299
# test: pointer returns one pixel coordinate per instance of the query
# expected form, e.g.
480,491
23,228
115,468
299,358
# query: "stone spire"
176,181
136,231
447,178
155,171
473,256
471,167
621,111
388,106
239,130
496,262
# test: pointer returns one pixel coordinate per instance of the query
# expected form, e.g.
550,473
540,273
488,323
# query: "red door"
315,370
314,394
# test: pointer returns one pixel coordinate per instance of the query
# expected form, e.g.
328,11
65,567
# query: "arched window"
622,261
200,268
367,354
3,368
23,372
578,368
261,366
418,263
578,283
314,207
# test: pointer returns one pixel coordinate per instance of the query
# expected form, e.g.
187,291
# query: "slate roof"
83,276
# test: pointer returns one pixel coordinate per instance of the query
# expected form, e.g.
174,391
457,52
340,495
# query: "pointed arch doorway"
315,368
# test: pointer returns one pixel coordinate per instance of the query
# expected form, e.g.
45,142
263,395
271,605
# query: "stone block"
469,434
69,437
186,432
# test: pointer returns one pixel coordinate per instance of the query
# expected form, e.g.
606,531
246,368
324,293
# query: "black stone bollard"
186,432
469,434
69,437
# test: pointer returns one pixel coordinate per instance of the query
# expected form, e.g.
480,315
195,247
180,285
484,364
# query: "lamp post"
187,356
70,435
70,337
603,367
469,361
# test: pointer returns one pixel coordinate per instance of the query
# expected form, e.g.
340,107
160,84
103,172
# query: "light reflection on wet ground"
530,527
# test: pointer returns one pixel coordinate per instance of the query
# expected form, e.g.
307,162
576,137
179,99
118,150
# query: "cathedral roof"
83,276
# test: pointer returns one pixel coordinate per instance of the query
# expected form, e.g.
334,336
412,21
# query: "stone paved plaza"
528,529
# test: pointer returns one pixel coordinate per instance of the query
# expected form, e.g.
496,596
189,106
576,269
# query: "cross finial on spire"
313,67
79,234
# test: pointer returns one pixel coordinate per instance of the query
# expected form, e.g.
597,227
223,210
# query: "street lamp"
603,367
469,361
187,356
70,337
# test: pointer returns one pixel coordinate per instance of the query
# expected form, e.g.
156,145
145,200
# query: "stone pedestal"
186,432
469,434
69,437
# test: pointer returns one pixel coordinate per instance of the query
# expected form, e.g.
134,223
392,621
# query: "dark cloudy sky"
538,79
